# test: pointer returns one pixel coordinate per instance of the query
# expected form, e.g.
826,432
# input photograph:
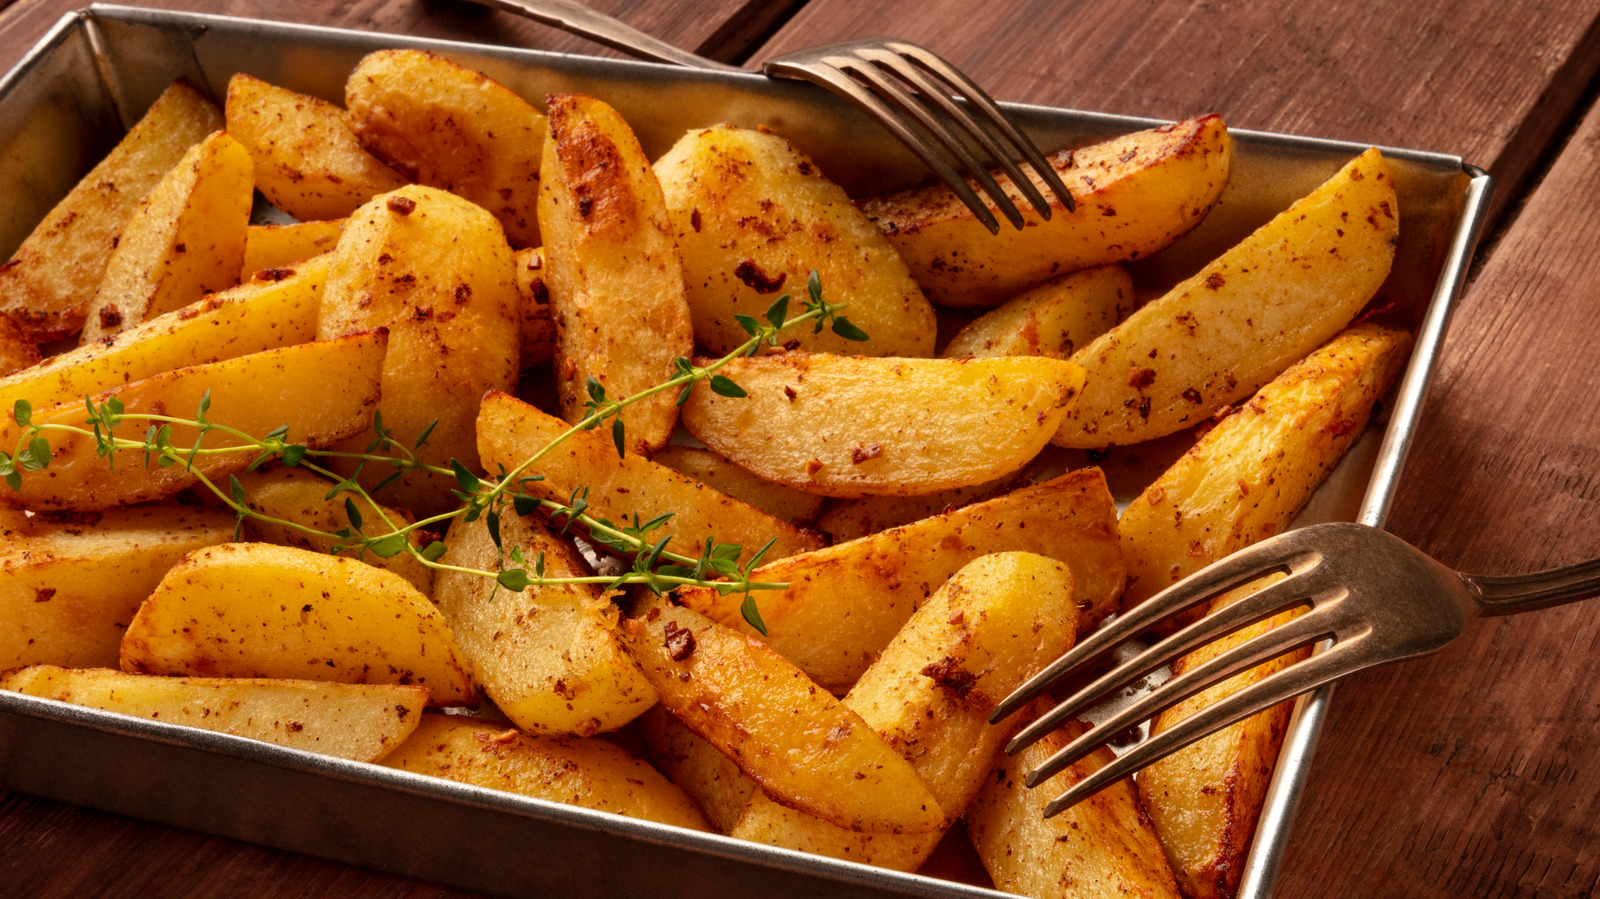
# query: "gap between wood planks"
1510,208
751,27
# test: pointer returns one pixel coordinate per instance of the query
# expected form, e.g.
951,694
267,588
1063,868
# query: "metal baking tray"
77,91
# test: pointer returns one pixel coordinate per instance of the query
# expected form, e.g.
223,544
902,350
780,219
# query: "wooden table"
1471,773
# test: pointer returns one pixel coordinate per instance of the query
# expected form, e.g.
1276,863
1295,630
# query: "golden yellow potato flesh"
360,722
1248,315
47,285
258,610
861,426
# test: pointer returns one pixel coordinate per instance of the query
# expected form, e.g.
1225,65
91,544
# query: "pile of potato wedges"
470,263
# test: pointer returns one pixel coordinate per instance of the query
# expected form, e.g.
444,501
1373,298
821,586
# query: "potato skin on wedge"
307,162
1206,798
549,657
1053,319
1248,315
70,585
46,287
436,271
1101,848
446,126
845,603
754,217
258,610
361,722
710,778
707,467
510,431
300,497
261,314
1252,474
184,240
283,246
858,426
986,631
592,774
613,270
323,392
786,733
1135,194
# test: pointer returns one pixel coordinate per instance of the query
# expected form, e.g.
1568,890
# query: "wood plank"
722,29
1472,773
1487,82
48,849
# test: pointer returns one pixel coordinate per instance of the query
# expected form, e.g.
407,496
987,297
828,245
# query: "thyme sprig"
658,568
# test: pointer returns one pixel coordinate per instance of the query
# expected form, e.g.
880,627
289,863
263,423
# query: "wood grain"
722,29
1488,82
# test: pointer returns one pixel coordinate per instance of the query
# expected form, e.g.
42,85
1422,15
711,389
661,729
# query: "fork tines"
1302,586
869,72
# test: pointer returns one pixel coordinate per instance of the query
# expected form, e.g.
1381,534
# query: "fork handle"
1510,594
584,21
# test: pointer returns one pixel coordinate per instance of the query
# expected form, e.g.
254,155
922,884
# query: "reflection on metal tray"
68,102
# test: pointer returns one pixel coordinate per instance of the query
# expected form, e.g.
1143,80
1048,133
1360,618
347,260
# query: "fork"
1376,599
883,78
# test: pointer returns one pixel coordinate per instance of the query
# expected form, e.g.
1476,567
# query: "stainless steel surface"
70,100
860,72
1374,597
581,19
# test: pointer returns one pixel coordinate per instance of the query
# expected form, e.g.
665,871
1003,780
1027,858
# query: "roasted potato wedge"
17,351
1249,477
298,497
436,271
1101,848
307,162
322,392
1135,195
537,322
262,314
549,657
589,773
1205,799
258,610
859,426
1248,315
792,738
283,246
510,431
185,239
450,127
987,630
711,469
710,778
847,519
1053,319
46,287
69,586
361,722
755,216
614,275
845,603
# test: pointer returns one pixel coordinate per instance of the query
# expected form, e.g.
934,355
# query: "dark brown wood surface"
1470,773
